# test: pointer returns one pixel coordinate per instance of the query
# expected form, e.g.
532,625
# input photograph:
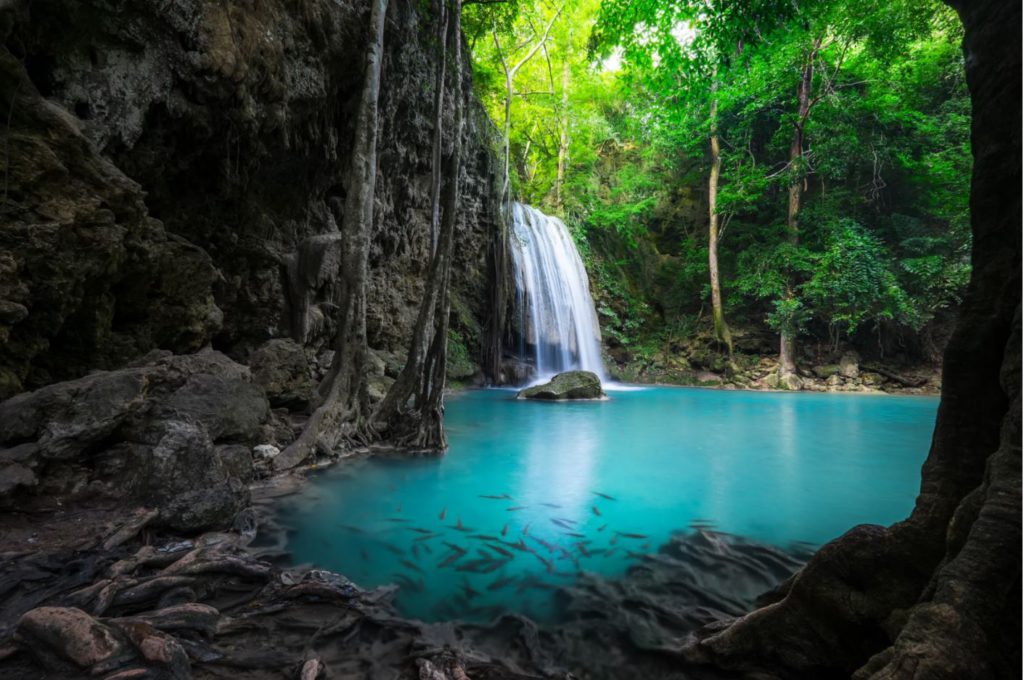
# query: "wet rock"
193,617
237,461
281,368
568,385
14,475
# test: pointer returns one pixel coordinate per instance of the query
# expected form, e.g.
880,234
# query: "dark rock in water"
565,386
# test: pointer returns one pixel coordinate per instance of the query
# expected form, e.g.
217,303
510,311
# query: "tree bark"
787,340
563,139
722,333
936,595
343,390
423,376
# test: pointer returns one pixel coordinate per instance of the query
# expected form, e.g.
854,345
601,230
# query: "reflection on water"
530,495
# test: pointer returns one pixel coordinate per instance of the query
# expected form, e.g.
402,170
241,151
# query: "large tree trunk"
787,340
722,333
937,595
343,390
423,376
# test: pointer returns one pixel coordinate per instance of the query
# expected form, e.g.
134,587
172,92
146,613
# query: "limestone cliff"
167,165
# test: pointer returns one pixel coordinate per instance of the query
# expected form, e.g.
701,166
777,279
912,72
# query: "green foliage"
884,236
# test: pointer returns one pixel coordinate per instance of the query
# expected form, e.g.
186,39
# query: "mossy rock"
826,371
565,386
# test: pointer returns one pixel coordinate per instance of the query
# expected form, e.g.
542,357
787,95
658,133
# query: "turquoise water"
536,492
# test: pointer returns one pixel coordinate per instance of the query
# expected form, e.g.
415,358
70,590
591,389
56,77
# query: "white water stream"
558,327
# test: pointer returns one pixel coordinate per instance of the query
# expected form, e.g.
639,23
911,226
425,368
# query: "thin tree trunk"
722,333
343,389
787,341
423,377
563,139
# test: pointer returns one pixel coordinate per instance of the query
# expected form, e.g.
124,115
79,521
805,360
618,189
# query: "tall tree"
343,390
510,69
420,425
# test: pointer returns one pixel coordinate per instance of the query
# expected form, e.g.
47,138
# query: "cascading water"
558,326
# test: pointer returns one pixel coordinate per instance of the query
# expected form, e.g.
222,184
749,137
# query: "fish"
615,539
552,505
611,552
483,553
406,582
526,529
634,555
444,511
646,546
482,566
459,526
420,530
398,508
484,537
515,508
546,562
574,534
362,553
416,551
468,590
409,565
542,542
566,520
561,523
519,545
393,549
504,530
350,528
500,551
602,527
599,551
501,583
583,550
426,549
628,535
596,511
425,537
502,497
605,496
397,520
497,564
455,548
450,560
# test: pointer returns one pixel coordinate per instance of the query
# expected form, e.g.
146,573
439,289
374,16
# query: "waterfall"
557,323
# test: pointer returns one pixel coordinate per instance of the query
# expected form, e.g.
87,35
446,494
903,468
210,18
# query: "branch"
538,45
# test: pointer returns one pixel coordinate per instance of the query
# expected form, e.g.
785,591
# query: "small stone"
265,452
70,634
849,365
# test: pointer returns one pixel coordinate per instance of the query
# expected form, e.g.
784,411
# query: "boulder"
158,432
849,365
826,371
565,386
281,368
185,479
66,634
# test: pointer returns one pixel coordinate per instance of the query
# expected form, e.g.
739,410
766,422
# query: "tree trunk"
563,139
423,376
343,390
936,595
722,333
787,341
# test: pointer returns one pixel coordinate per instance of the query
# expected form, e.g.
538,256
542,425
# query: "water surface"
534,493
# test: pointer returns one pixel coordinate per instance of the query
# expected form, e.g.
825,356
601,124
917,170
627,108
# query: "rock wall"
163,164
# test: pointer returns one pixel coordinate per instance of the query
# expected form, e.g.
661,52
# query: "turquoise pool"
531,494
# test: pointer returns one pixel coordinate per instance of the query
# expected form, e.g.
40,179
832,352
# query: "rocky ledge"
571,385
